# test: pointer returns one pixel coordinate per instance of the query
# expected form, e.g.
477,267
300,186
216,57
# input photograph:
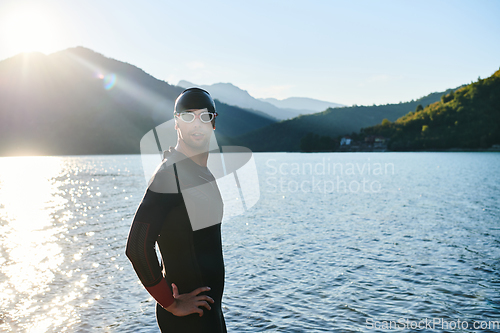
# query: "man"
181,211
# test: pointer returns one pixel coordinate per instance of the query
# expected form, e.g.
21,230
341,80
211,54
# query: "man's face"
195,134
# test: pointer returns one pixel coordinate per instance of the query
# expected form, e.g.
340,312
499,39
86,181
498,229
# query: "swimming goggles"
189,117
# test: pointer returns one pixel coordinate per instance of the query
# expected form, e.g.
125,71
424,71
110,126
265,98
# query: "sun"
28,29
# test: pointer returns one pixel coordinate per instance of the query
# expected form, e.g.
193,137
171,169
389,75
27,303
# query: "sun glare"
28,29
31,256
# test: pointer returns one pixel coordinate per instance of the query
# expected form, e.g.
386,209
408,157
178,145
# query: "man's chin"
200,146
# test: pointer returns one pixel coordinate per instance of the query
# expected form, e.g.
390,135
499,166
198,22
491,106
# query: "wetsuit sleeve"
146,226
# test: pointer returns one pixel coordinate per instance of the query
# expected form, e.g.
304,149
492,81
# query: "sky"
348,52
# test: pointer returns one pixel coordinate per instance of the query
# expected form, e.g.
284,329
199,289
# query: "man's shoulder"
172,156
164,178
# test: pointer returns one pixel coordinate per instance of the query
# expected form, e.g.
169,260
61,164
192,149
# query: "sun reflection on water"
31,256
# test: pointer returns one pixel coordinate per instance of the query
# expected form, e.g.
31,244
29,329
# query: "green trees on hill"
314,142
448,97
286,135
466,118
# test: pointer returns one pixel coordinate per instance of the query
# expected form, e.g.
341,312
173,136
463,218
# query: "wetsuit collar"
177,156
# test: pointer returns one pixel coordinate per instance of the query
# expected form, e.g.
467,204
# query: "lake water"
338,242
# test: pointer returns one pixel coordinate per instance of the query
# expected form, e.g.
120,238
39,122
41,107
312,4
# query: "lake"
337,242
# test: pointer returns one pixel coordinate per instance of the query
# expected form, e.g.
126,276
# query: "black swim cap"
194,98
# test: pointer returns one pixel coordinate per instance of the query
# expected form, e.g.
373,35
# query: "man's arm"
146,226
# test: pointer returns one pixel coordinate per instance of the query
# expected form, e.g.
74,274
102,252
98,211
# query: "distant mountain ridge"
232,95
77,101
302,103
282,110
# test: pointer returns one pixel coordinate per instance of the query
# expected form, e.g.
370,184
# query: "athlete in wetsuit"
182,212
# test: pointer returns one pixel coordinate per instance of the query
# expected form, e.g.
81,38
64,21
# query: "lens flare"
109,81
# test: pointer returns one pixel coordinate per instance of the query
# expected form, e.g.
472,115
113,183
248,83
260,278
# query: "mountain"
303,104
466,118
286,135
230,94
78,101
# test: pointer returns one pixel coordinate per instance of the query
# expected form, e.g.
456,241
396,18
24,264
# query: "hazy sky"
349,52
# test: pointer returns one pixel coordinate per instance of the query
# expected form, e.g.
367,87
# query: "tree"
314,142
447,98
307,142
425,129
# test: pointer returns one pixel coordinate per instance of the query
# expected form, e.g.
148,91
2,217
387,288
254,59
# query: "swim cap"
194,98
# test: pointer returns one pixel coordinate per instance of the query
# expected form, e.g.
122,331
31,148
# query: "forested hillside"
466,118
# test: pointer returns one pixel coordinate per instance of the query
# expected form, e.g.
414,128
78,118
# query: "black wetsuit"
191,257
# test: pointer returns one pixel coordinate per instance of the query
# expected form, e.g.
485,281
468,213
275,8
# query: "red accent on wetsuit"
162,293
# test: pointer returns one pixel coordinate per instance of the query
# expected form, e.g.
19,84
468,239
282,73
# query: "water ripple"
425,246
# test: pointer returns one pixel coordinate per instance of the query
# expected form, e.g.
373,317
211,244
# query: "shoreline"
452,150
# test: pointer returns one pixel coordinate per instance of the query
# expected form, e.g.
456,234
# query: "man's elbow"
129,251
